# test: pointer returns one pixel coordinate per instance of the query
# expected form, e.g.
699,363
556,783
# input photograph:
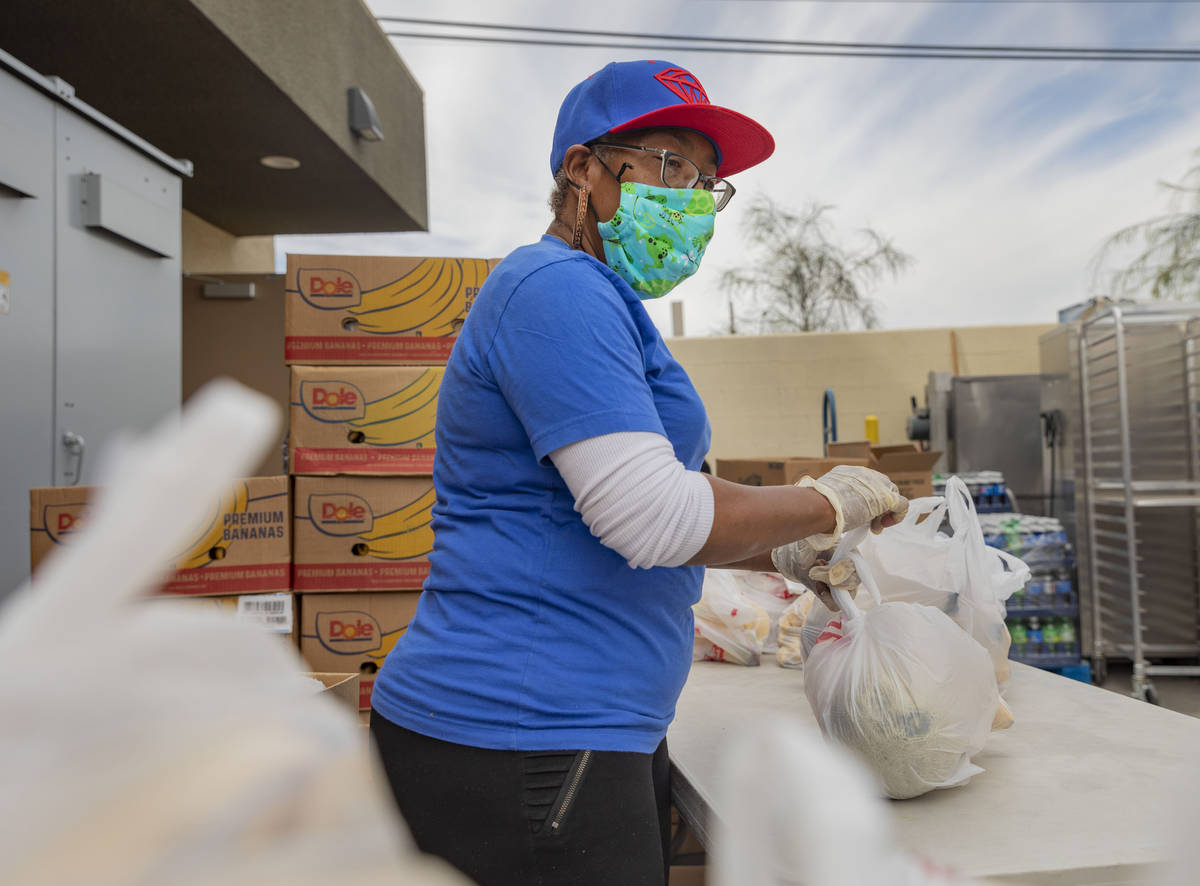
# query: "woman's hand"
751,522
859,497
801,562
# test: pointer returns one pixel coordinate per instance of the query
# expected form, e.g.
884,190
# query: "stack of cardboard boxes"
367,340
907,465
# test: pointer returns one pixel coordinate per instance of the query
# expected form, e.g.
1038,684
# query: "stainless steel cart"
1140,385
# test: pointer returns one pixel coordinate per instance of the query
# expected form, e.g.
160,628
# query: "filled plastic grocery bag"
729,624
797,810
914,562
772,593
800,624
161,745
903,686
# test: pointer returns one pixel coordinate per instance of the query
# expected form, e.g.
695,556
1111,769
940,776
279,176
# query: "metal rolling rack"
1140,385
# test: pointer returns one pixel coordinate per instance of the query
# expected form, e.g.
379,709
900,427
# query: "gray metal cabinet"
996,426
117,319
90,330
26,316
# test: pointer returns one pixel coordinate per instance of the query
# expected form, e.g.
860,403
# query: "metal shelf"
1165,650
1149,501
1042,612
1047,661
1139,379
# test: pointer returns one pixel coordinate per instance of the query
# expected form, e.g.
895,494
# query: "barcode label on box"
271,612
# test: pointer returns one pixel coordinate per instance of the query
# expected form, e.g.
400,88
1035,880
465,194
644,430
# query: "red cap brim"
742,142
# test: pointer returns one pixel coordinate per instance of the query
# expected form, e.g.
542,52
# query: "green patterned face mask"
657,236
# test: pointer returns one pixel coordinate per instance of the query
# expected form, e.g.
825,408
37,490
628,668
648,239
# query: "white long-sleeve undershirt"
637,497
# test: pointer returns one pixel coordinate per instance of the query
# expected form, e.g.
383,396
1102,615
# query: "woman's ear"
576,164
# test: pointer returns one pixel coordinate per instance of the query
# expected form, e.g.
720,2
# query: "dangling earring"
580,216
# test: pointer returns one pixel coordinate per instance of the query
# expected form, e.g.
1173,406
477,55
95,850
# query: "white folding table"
1072,793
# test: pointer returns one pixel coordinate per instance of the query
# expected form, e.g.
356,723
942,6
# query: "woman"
521,719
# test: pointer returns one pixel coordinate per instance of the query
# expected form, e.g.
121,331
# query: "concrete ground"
1180,694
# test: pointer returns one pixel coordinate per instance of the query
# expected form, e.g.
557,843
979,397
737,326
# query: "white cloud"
1002,179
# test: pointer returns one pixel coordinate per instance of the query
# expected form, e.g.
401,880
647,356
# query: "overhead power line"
763,46
949,47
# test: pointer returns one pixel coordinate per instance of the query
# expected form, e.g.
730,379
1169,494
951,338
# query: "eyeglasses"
680,172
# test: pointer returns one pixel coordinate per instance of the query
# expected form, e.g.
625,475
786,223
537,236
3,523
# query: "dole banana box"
240,546
357,309
353,632
363,419
361,533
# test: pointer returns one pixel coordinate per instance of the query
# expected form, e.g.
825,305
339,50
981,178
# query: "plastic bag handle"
848,547
933,508
849,541
966,522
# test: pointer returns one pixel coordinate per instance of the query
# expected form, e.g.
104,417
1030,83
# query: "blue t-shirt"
531,634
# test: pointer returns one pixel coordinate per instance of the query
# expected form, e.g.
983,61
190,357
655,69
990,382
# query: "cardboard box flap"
903,448
344,687
855,449
908,462
888,459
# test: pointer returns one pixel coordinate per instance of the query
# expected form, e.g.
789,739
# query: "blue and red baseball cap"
643,94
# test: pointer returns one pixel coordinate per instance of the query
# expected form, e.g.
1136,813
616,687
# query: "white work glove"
859,496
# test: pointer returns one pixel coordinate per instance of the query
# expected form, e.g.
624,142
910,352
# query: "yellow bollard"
873,428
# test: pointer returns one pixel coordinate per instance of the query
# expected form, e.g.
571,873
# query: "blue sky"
1001,179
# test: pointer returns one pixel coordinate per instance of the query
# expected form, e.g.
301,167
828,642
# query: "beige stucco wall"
764,393
240,339
208,249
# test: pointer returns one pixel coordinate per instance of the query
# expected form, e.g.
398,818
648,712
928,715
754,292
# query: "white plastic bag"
730,626
904,687
160,745
772,593
796,810
960,575
799,626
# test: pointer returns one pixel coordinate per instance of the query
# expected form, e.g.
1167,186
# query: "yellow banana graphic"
405,418
412,543
386,643
428,301
414,513
197,553
405,533
418,283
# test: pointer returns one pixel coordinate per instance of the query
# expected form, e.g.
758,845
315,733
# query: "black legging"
532,818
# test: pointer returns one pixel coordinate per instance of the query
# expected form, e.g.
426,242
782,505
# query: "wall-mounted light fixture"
228,290
279,161
364,122
215,287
